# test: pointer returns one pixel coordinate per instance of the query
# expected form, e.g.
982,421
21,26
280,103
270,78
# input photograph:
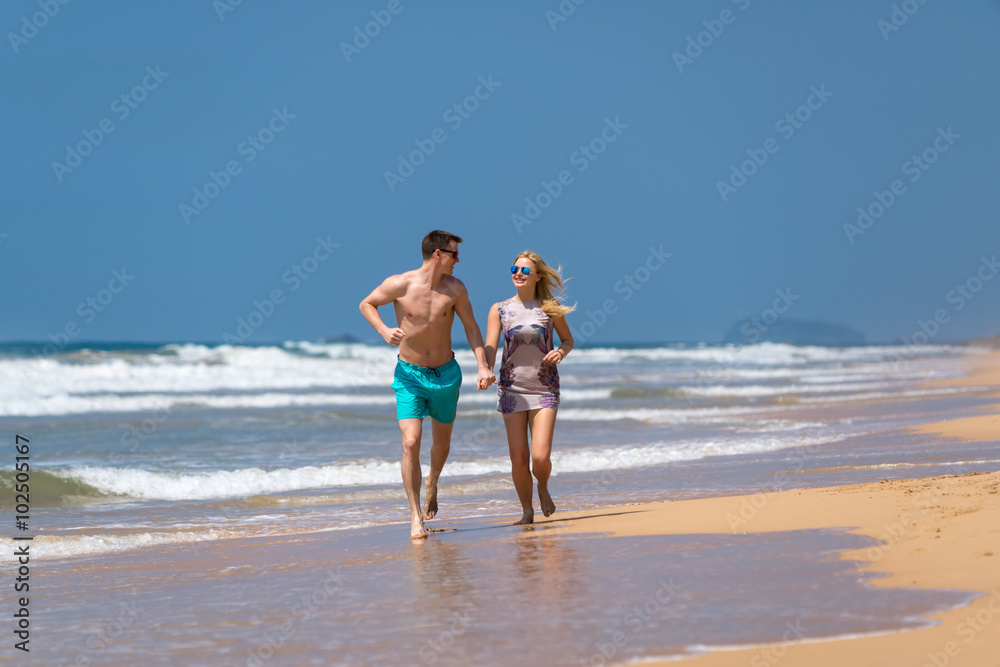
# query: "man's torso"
425,314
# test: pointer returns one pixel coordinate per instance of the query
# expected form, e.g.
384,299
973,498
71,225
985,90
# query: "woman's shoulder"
504,305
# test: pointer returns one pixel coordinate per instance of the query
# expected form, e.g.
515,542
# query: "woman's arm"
492,335
565,341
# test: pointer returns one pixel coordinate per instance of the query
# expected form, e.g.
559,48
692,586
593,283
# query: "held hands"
393,336
485,379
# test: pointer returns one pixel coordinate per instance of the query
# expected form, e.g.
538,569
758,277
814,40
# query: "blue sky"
308,129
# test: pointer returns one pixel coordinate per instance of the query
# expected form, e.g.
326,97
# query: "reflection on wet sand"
440,571
480,594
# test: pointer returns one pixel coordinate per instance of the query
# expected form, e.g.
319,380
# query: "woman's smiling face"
520,280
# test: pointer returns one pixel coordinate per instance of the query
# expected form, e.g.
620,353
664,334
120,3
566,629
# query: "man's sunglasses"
526,270
453,253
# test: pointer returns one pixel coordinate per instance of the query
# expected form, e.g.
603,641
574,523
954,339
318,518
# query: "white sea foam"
194,368
307,374
824,374
246,482
620,458
62,547
44,546
154,402
63,405
907,393
766,354
664,415
780,389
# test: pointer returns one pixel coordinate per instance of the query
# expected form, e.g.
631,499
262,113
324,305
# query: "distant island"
793,332
993,341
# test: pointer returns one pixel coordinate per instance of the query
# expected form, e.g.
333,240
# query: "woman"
528,384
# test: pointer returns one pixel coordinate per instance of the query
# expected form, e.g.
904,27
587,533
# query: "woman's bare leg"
516,424
542,423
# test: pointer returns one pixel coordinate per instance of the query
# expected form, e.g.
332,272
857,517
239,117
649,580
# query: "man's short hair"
437,240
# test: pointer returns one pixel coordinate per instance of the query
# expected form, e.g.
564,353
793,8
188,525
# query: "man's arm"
391,289
463,308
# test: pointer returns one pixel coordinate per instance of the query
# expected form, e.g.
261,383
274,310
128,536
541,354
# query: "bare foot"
431,506
529,517
417,530
548,507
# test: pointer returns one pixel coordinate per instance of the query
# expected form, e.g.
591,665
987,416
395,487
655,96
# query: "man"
427,377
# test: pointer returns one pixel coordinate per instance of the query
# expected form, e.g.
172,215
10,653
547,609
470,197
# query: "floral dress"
525,381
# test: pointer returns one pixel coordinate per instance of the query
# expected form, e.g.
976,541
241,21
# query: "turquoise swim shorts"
422,391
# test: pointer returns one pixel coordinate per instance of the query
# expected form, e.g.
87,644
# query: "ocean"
141,450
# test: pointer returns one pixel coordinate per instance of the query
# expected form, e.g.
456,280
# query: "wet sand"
939,532
368,596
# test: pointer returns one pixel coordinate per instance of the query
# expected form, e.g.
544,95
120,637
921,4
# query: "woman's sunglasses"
526,270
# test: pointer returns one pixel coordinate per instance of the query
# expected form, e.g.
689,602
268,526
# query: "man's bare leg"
516,424
542,423
411,430
440,447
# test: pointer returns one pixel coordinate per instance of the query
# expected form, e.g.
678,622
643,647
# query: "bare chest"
425,308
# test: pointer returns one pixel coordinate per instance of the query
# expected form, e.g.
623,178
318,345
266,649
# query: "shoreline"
936,532
919,534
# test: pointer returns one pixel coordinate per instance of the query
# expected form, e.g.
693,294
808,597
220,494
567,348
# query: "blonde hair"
548,279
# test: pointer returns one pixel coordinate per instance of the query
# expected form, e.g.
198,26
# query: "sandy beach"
849,506
937,532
